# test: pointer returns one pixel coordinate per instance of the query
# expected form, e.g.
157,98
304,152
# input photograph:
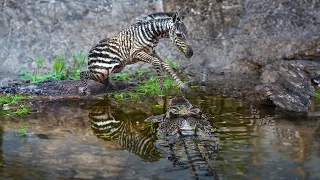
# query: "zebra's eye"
179,35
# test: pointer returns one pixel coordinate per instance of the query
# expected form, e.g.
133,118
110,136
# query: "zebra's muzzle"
189,52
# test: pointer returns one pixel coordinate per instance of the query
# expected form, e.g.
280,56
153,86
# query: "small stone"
6,107
286,144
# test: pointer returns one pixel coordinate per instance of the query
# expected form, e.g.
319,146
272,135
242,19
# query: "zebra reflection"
129,130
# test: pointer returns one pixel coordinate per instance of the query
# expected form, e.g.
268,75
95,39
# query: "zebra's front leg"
155,62
171,72
158,64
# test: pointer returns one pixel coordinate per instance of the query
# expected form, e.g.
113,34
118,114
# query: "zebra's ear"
175,17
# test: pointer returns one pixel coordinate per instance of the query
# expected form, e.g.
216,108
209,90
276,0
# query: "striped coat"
135,44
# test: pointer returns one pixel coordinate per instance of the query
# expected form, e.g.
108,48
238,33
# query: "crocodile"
186,137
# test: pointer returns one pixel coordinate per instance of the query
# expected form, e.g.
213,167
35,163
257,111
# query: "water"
71,140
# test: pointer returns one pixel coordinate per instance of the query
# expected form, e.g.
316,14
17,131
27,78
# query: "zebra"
137,43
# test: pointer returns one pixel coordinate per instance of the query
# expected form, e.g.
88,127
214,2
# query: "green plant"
317,95
78,62
141,73
121,76
121,95
59,67
22,131
11,99
11,102
151,86
22,111
60,70
172,63
39,63
134,95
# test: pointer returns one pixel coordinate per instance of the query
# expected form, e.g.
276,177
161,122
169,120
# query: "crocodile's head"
183,117
181,107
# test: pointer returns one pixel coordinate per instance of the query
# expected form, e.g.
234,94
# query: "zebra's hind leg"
108,84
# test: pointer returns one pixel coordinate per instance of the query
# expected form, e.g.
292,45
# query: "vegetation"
149,87
9,105
318,95
59,71
21,131
11,99
22,111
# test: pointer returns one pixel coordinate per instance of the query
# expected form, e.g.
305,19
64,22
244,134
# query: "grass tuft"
317,95
60,70
21,131
10,105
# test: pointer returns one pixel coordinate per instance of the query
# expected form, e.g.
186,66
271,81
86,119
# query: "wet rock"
287,85
67,88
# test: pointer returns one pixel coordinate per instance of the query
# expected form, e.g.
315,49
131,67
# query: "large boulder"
288,85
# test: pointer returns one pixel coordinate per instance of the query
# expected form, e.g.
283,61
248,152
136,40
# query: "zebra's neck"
155,29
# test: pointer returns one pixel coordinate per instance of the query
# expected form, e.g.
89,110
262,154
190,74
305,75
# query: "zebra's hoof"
186,89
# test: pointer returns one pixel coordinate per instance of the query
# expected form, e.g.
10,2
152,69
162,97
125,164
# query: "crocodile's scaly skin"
185,135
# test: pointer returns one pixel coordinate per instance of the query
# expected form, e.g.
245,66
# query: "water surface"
64,141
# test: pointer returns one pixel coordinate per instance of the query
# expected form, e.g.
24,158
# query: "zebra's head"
178,34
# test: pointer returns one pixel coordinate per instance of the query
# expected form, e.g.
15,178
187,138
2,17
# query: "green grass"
317,95
149,87
11,102
60,69
11,99
121,76
21,131
22,111
172,63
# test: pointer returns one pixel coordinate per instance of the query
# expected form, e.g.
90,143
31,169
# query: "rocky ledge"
286,84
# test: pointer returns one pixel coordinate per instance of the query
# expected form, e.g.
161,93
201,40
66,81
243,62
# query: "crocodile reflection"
182,134
185,136
108,122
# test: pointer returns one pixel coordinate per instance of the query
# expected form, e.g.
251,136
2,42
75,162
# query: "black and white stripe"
137,43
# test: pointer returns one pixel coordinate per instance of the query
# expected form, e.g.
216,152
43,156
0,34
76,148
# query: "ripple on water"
71,140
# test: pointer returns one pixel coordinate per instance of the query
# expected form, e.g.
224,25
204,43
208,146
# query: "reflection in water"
248,138
247,143
128,129
185,136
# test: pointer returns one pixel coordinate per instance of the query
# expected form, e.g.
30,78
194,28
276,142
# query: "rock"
5,107
221,32
287,85
65,89
232,41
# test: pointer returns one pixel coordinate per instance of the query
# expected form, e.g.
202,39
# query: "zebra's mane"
156,16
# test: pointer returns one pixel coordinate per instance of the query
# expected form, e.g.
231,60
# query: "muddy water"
64,141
